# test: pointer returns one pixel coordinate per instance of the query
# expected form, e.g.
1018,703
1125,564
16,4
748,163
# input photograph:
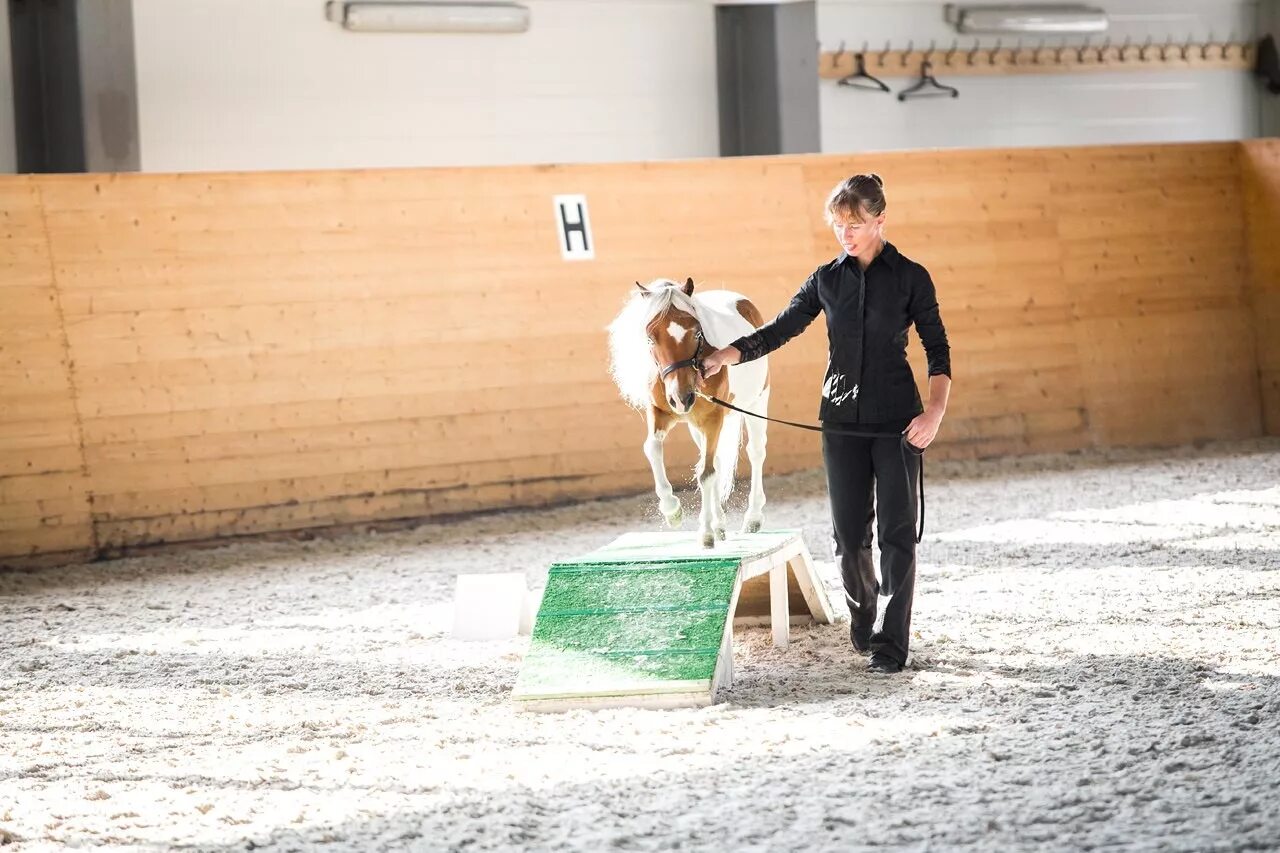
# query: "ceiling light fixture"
1027,19
410,17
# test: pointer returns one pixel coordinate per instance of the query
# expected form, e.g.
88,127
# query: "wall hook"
946,58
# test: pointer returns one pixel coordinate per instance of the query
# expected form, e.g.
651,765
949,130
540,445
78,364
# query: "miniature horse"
656,343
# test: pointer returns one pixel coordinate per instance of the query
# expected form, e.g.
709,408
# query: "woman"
870,293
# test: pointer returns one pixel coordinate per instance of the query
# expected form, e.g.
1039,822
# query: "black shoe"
861,640
884,664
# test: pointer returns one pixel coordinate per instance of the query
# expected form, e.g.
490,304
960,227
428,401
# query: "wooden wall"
1261,166
206,355
1080,287
44,490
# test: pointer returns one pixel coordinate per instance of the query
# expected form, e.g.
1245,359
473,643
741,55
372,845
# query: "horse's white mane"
630,360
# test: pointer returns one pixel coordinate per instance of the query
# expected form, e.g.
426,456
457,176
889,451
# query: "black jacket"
868,312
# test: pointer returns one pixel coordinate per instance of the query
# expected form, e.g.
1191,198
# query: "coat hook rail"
997,59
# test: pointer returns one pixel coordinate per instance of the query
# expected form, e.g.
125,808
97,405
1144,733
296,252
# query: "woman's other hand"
924,428
720,358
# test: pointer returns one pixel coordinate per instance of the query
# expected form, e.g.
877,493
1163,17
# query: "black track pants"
857,468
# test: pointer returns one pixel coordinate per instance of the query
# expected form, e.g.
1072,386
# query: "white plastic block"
488,606
529,612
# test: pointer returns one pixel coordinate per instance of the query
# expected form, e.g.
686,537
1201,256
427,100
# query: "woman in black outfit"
871,294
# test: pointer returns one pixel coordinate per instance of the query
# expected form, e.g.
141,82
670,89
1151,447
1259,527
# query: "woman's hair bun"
879,180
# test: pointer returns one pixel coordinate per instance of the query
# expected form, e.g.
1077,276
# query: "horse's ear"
688,287
643,292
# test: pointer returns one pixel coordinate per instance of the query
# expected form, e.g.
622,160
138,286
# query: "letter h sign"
574,228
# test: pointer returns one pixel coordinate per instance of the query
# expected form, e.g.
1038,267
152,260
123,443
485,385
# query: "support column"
1269,109
779,605
767,57
75,87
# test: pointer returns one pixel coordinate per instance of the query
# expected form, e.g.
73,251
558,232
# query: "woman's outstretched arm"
791,321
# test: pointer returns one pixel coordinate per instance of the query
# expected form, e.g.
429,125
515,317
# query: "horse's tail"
727,452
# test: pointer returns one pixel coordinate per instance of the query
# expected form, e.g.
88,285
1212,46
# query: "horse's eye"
650,341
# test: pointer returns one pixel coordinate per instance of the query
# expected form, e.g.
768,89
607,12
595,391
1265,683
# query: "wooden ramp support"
645,621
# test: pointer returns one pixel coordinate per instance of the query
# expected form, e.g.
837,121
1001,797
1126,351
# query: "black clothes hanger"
854,80
931,86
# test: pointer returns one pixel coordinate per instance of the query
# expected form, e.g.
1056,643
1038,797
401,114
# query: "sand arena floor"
1097,666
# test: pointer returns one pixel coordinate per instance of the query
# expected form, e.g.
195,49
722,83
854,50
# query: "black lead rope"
905,446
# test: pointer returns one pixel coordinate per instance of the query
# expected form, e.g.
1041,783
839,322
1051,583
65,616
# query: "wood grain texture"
44,490
1260,164
187,357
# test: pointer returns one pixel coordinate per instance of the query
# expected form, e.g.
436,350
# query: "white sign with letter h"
574,228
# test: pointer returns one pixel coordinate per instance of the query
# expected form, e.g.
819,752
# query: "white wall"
248,84
1016,110
8,144
271,84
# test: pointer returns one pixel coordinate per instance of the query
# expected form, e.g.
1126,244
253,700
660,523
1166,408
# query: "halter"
694,361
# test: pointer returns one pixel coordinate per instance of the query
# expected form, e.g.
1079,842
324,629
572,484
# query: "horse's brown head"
675,339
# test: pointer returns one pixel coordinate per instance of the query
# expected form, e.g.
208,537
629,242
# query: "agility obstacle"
646,621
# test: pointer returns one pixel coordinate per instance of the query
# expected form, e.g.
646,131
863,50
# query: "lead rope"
905,447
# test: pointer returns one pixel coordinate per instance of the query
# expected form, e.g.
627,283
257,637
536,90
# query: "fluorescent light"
429,17
1022,19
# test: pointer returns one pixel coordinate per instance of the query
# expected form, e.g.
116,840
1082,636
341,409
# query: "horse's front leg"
757,435
659,424
706,433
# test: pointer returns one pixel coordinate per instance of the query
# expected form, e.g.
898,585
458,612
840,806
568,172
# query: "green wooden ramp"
648,619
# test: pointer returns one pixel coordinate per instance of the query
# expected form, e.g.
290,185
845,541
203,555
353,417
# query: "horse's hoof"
720,534
708,540
754,526
676,518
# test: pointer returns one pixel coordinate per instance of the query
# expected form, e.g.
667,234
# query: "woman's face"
855,231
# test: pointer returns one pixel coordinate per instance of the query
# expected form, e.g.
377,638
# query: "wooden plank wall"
44,495
1261,167
228,354
276,351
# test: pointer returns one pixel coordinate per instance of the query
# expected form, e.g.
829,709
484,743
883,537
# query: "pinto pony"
655,344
